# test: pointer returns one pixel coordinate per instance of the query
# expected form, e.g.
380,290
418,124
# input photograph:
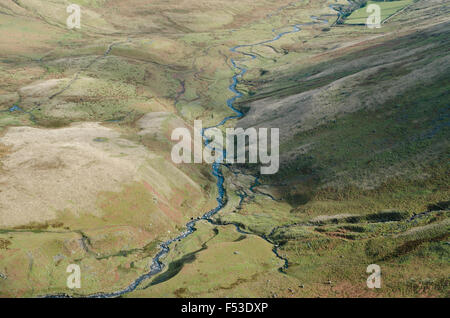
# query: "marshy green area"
389,8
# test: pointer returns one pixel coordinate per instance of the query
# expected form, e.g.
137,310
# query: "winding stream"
157,265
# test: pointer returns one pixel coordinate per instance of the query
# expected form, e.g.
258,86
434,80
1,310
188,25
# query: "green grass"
214,261
282,81
366,143
387,9
340,254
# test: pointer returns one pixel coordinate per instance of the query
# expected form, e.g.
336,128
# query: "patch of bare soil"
425,228
51,170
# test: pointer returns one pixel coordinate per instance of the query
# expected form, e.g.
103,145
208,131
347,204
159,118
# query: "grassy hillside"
387,9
